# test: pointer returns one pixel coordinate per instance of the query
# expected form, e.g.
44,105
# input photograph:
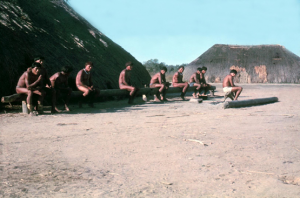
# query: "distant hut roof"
255,63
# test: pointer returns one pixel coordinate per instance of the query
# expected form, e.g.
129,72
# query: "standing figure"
204,85
159,81
177,82
229,88
195,82
84,83
59,82
124,81
31,83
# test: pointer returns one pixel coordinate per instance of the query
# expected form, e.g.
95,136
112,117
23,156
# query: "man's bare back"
228,81
124,78
59,81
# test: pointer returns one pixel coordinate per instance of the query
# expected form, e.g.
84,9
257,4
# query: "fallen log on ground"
250,102
104,93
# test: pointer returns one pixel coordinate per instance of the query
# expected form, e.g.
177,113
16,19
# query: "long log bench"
103,93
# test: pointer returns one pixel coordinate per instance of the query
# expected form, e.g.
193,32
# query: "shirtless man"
177,82
195,82
124,82
159,81
229,87
31,83
203,83
46,84
84,83
59,82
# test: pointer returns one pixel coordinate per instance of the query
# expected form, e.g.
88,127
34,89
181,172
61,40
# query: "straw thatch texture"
54,30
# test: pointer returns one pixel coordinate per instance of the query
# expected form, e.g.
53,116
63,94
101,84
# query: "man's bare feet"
157,99
67,108
32,113
164,99
55,110
195,95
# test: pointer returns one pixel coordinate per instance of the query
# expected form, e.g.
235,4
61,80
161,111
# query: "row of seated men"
36,81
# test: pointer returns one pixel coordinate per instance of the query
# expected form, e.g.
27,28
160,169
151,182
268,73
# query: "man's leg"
85,93
160,91
184,87
164,92
92,95
197,89
237,91
41,97
29,98
206,89
132,92
67,99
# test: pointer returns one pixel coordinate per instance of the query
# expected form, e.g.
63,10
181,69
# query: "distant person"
84,84
204,85
31,83
159,81
229,88
177,82
124,81
195,82
59,82
46,84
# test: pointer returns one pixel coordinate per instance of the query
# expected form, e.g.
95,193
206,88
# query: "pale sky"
179,31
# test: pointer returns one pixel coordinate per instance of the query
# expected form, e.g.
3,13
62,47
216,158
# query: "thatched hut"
51,28
255,64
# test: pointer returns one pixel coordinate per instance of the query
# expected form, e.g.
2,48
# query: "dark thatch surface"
54,30
255,64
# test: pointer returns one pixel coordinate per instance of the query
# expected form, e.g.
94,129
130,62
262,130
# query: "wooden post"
251,102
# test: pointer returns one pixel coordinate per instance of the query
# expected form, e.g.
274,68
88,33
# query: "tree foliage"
154,66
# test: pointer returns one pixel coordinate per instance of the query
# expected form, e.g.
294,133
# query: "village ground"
173,149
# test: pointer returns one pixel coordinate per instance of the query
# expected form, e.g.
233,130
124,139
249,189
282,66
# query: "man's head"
163,70
203,70
35,68
233,72
88,66
66,70
39,59
199,70
181,69
129,65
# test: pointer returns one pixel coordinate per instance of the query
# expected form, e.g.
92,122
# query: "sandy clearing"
147,150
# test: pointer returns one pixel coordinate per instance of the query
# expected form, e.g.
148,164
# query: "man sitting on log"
229,88
46,84
31,83
59,82
195,82
124,82
159,81
177,82
203,83
84,83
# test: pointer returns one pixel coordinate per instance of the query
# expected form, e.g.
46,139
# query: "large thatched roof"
255,64
54,30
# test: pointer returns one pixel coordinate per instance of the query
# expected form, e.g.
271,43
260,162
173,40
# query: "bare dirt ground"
151,149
